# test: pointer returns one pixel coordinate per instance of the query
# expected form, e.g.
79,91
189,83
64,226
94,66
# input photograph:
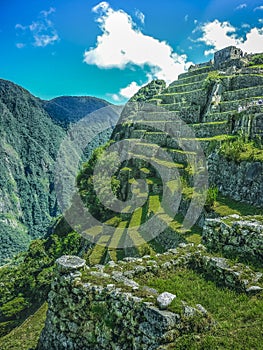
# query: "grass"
145,170
210,123
215,138
154,204
116,239
238,317
257,66
240,150
225,206
27,334
99,250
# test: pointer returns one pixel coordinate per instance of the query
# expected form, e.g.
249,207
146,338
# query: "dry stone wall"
234,234
88,316
106,307
242,181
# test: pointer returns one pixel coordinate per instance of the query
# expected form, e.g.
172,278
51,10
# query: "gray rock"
150,290
165,299
69,263
201,309
161,319
190,311
254,289
100,274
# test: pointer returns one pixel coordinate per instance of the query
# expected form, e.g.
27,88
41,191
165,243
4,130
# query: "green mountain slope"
70,109
29,141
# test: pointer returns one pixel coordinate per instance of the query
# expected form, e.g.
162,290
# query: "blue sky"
110,49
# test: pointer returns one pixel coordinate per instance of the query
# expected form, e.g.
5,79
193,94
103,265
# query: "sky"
112,48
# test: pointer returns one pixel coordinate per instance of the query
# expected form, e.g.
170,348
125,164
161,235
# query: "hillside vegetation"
30,138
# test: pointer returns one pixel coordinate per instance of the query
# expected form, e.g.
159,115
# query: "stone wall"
235,235
241,181
250,124
105,308
88,316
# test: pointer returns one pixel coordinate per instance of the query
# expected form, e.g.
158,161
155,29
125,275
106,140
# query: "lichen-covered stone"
165,299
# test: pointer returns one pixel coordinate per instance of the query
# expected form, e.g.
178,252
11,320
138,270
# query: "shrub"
256,60
211,79
13,308
211,197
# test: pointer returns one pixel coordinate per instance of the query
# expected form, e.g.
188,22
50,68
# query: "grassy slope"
238,317
25,336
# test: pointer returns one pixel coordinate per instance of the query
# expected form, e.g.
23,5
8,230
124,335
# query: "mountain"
29,141
70,109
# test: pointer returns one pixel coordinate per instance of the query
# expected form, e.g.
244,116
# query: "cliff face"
29,141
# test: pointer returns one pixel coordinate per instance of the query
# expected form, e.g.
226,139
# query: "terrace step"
196,72
211,129
115,249
99,251
190,97
217,117
184,87
227,106
239,94
182,79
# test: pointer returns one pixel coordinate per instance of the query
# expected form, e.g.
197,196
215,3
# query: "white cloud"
19,26
260,20
115,97
122,45
48,12
260,8
253,42
186,17
130,90
241,6
44,40
140,16
101,7
218,35
42,30
245,25
20,45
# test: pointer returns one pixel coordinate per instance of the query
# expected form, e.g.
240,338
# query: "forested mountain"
29,140
70,109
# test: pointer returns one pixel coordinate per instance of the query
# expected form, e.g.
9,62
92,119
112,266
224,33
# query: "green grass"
145,170
210,123
99,250
213,138
154,204
126,169
25,336
117,240
238,317
180,93
257,66
240,150
226,206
